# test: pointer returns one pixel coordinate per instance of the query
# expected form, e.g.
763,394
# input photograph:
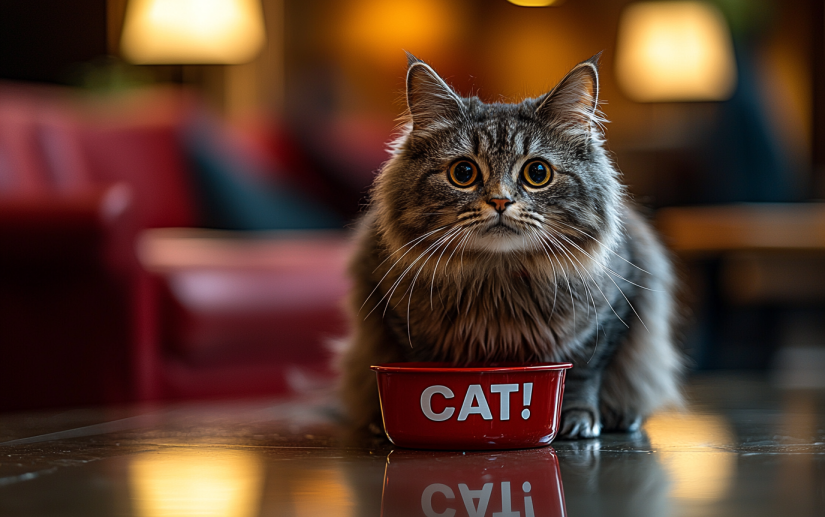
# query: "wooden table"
770,252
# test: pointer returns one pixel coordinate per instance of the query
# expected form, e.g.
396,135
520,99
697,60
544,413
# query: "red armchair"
83,321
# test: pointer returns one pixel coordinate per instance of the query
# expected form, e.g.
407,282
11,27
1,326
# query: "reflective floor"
742,448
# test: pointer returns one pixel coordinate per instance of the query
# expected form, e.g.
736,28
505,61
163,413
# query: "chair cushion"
263,307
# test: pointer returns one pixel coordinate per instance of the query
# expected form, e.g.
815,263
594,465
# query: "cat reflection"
608,476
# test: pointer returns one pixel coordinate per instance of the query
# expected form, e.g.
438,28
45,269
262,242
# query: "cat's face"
500,178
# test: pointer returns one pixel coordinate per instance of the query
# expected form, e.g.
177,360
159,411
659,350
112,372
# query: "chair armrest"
57,228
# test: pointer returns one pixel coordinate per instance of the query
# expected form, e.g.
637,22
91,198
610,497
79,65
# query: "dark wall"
45,40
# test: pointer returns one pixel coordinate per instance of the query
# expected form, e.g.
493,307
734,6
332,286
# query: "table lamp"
192,31
675,51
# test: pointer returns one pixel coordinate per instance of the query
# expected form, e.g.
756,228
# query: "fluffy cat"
500,232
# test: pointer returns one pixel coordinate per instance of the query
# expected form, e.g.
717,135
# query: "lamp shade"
533,3
192,31
675,51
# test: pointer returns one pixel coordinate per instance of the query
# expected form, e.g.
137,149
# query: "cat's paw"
579,423
631,425
375,429
621,422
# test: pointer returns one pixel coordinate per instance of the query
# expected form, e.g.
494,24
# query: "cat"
500,232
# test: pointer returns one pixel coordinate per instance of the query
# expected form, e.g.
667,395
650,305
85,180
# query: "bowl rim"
437,367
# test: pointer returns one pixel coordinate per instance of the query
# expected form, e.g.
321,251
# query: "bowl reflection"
473,484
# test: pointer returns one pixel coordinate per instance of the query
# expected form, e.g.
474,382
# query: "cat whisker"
472,223
524,242
469,213
537,215
604,266
441,241
568,281
600,263
628,302
463,239
377,285
413,242
534,216
395,284
398,281
570,258
623,294
603,246
531,222
564,250
589,293
461,259
569,289
555,285
587,289
435,269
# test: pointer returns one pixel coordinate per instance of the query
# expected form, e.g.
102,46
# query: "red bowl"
436,406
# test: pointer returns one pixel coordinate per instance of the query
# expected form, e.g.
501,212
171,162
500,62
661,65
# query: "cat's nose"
500,204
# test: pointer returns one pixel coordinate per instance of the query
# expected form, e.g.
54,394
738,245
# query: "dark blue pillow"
234,193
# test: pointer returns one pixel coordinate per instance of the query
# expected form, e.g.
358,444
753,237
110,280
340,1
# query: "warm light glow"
518,63
532,3
192,31
382,29
321,492
202,482
689,447
675,51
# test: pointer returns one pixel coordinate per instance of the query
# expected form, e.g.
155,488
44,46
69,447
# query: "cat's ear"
574,102
432,103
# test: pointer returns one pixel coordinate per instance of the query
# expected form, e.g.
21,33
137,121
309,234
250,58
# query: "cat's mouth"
501,228
499,235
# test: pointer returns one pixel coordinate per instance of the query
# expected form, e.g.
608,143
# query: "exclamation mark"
528,500
528,394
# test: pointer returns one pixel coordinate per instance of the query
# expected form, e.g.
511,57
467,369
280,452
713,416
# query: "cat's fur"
575,274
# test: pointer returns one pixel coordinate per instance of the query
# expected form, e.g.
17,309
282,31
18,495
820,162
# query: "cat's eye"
463,173
537,173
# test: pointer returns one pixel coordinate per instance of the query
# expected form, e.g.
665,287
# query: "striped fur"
568,272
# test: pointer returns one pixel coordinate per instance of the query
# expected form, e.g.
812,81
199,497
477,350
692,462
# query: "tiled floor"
742,449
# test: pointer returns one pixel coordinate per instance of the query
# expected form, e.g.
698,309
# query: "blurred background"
177,177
